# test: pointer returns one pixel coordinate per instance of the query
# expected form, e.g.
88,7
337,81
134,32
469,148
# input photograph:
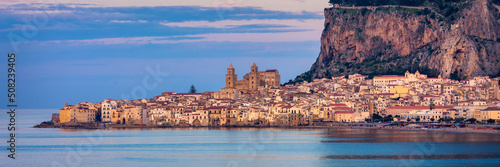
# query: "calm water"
243,147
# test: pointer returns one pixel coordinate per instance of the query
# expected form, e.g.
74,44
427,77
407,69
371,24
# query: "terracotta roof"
341,108
337,104
188,94
213,108
389,76
492,108
344,112
419,107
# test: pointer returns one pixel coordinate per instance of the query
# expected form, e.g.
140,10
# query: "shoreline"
448,130
469,130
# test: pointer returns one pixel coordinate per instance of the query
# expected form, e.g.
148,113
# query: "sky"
90,50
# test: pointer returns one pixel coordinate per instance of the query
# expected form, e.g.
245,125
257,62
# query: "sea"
239,146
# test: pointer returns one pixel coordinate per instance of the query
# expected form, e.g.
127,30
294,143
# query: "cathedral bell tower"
254,77
230,77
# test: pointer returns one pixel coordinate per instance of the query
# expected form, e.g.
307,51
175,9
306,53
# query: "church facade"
253,80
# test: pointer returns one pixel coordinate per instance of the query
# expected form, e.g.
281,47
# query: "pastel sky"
90,50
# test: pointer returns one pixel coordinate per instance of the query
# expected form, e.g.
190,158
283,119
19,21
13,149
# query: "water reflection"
378,136
459,156
261,147
251,147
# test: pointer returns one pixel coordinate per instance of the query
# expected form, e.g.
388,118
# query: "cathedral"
254,80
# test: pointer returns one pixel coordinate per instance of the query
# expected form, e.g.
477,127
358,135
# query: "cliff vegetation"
452,38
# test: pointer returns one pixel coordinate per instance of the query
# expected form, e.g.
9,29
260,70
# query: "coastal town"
259,99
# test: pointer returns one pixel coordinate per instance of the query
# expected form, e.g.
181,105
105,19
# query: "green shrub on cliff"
496,2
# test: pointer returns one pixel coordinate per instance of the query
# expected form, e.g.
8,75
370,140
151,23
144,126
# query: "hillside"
452,38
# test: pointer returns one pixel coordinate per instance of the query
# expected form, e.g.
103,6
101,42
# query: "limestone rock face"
391,40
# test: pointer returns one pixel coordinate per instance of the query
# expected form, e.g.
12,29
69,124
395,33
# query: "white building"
106,107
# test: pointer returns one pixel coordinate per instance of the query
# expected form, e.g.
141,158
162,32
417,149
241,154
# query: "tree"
192,89
418,119
376,117
459,119
491,121
471,120
432,119
388,118
455,76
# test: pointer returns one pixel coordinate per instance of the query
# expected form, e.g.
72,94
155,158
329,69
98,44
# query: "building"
55,119
490,113
227,93
254,80
399,110
399,80
424,115
399,91
106,110
386,79
357,77
496,89
133,115
79,112
344,116
64,113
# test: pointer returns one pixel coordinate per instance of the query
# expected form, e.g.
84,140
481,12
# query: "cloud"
301,36
300,31
90,16
48,12
315,6
285,24
128,21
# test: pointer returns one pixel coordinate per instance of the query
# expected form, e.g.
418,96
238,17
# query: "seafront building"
259,99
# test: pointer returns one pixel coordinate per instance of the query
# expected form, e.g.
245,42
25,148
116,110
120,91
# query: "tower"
496,89
231,77
254,77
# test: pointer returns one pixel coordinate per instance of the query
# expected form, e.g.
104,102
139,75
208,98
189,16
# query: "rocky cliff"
458,40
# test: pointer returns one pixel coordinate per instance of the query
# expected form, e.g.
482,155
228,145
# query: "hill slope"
453,39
